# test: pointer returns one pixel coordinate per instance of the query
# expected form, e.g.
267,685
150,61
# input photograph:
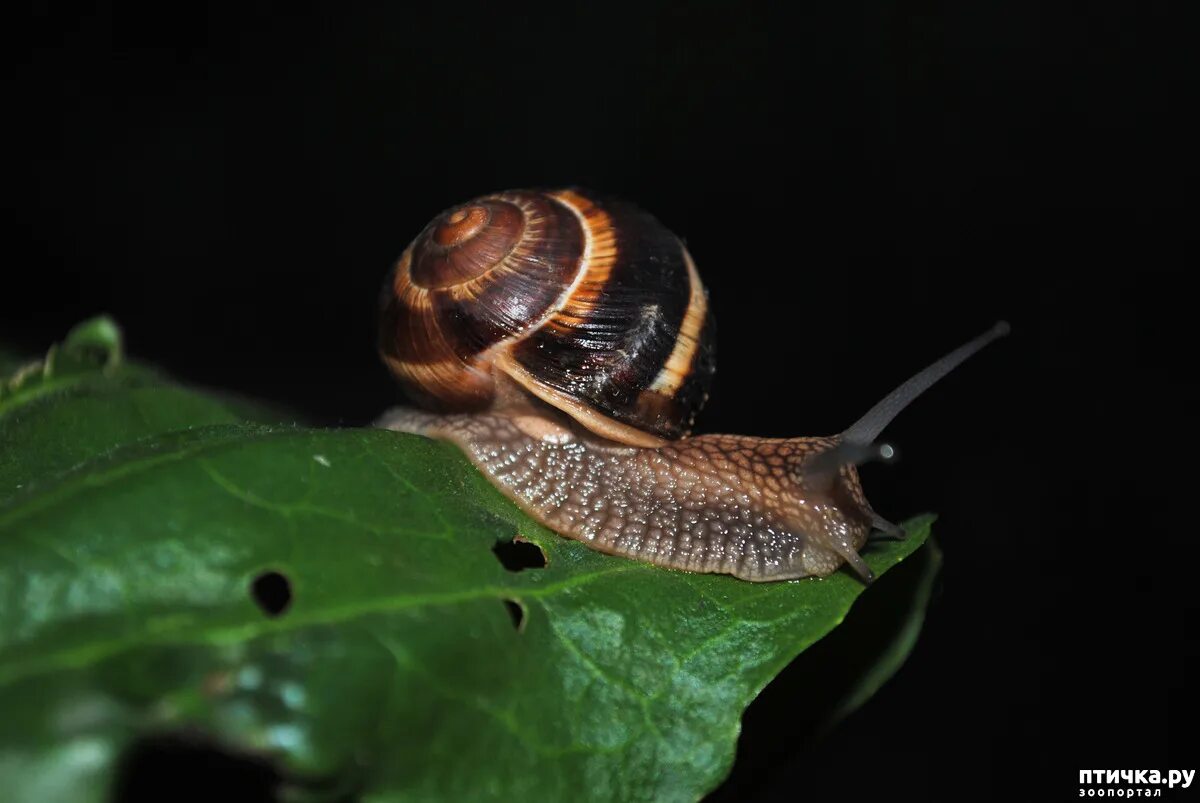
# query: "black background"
863,186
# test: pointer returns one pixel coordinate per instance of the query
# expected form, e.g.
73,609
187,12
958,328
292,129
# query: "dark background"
863,186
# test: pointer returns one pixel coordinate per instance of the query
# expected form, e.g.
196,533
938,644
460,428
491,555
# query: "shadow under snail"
564,343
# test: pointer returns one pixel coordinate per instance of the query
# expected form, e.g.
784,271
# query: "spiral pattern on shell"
592,305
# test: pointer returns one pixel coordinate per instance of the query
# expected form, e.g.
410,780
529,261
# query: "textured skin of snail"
564,343
712,503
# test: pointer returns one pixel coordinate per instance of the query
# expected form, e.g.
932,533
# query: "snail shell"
591,305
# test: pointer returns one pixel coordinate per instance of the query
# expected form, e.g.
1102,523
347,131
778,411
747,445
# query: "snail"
563,342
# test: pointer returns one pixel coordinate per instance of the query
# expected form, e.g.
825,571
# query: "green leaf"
10,361
136,516
896,611
84,399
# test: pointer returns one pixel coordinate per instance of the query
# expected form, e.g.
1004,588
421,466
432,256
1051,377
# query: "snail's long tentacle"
866,429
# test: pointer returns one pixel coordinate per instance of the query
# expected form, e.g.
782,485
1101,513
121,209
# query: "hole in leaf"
272,592
519,554
181,767
516,612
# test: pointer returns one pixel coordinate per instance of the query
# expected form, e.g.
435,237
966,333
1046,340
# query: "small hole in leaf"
272,592
184,767
516,612
519,554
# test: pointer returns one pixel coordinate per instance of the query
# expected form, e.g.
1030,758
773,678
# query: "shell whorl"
591,305
465,244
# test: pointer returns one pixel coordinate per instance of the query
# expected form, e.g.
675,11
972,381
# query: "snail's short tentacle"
859,565
885,529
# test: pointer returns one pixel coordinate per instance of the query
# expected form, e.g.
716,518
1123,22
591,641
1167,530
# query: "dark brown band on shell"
614,336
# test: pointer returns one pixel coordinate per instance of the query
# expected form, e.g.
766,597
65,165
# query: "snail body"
564,343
